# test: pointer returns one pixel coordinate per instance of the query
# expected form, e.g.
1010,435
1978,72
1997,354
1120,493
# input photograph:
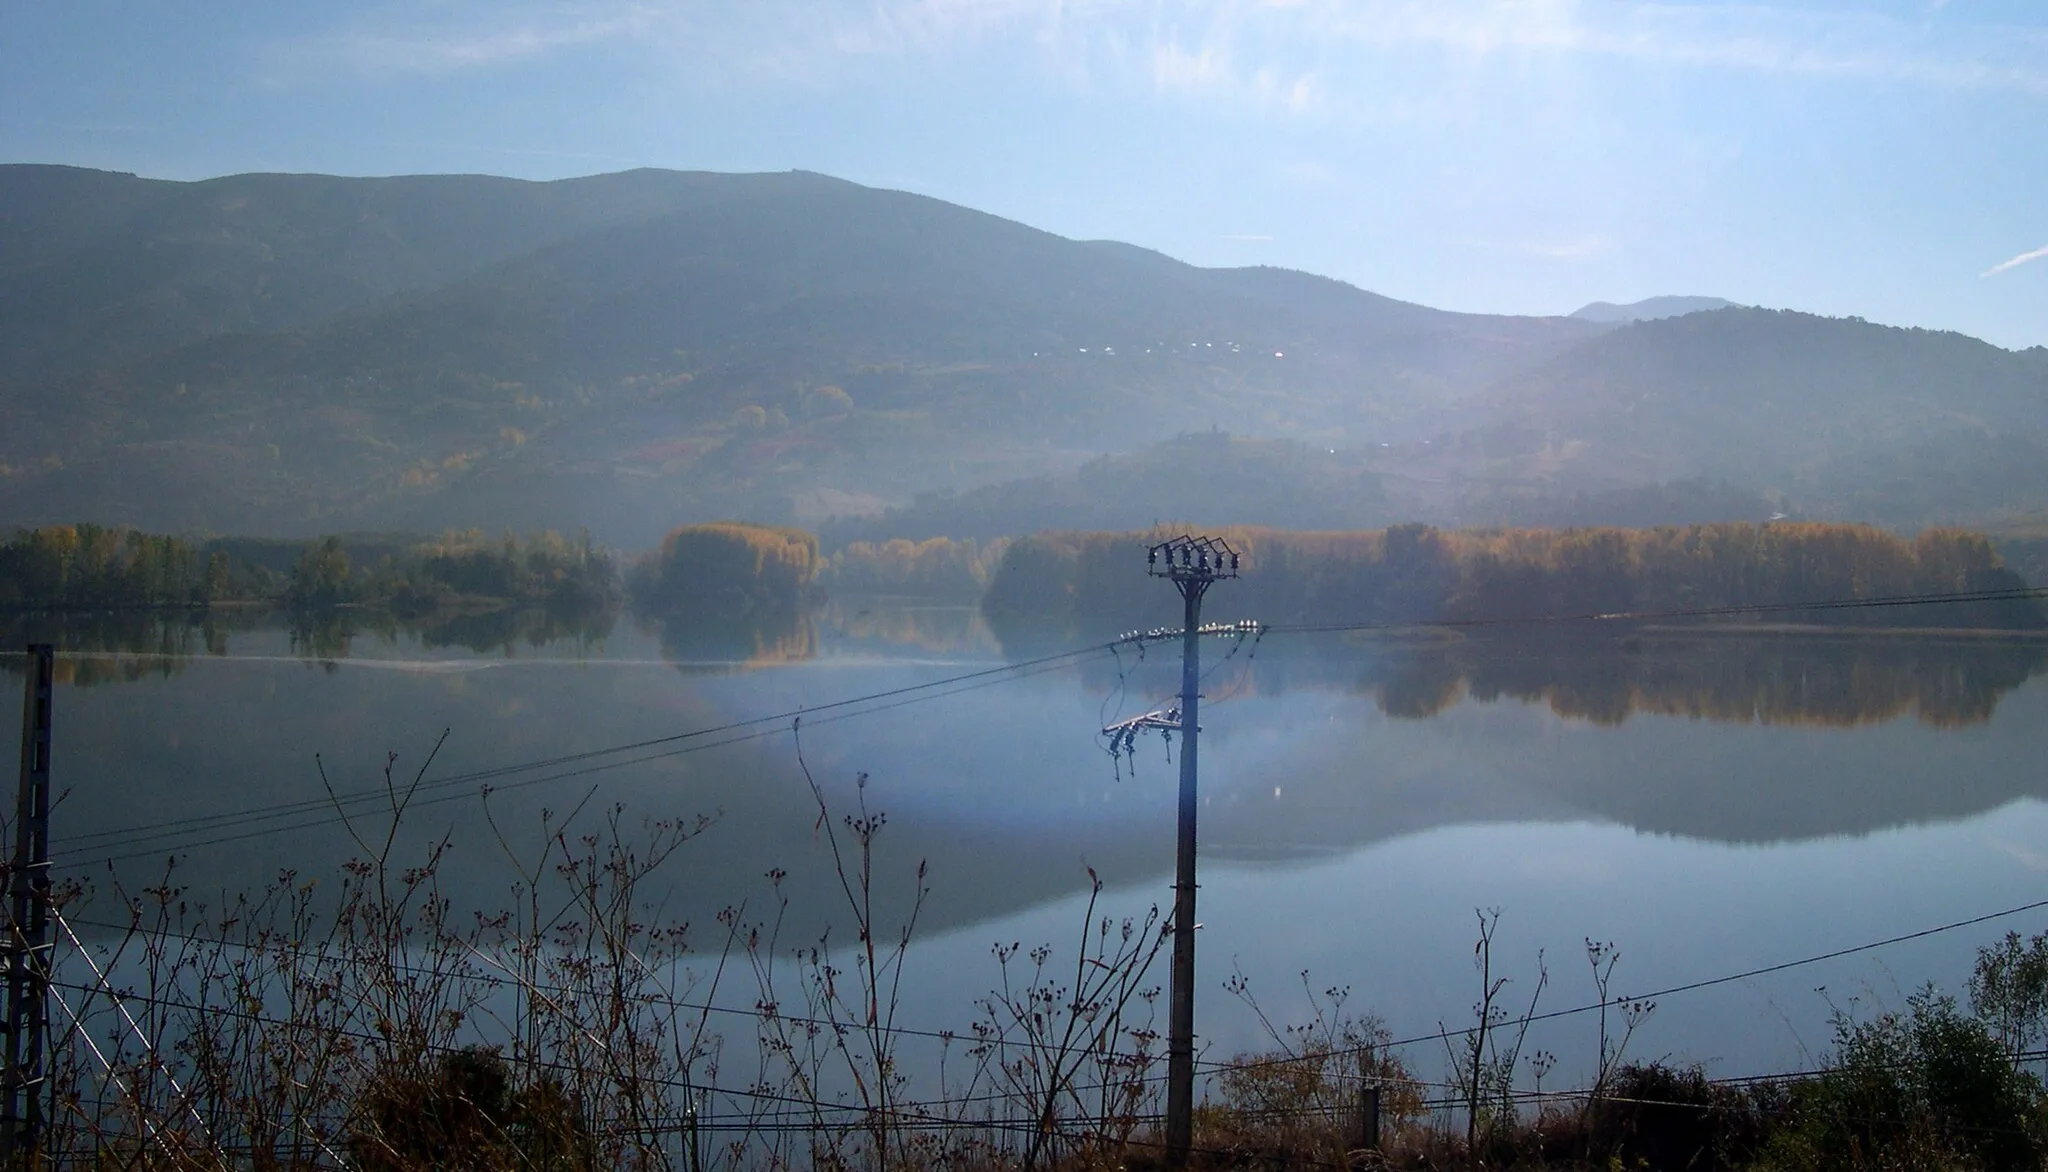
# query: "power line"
871,702
116,841
367,1036
500,981
976,680
1687,987
627,747
106,988
1265,1063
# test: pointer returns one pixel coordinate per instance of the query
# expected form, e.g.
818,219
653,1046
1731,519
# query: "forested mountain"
1851,420
291,354
97,267
1215,478
289,351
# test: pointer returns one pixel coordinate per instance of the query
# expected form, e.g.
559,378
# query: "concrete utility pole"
1192,564
27,947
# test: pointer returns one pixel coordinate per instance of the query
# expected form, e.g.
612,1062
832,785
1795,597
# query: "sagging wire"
1242,681
1120,738
1113,701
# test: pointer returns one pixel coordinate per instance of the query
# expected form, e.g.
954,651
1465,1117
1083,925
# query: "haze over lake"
1710,802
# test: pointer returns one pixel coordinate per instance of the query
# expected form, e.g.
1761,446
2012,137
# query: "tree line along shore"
1081,583
1419,574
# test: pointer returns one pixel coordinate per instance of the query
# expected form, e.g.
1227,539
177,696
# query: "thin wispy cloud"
2015,262
1275,52
1742,37
460,45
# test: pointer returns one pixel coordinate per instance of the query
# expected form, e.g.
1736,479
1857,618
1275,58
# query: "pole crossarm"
1161,718
1123,735
1187,559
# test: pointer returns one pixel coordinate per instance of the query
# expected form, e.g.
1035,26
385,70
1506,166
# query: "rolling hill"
293,353
1854,421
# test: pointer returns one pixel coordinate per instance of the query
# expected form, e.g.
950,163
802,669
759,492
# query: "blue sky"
1881,158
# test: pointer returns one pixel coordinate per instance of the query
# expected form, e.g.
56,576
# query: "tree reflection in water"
1790,676
1829,680
714,643
125,646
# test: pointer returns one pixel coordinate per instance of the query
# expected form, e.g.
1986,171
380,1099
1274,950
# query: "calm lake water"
1710,803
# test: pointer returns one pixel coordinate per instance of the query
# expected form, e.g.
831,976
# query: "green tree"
214,585
321,575
2009,991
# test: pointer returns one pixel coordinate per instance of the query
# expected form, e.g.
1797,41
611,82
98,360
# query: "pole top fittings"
1185,559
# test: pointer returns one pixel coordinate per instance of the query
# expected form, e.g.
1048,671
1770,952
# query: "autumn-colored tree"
727,569
938,567
97,567
1416,573
827,400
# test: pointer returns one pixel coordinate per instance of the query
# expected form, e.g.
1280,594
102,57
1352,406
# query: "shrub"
1927,1088
465,1114
1672,1118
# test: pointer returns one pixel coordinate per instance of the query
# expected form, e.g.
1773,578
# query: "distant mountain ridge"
293,353
299,351
1856,421
1648,309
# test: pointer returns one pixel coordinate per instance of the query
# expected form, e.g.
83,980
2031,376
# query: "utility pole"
1192,564
690,1130
27,946
1367,1138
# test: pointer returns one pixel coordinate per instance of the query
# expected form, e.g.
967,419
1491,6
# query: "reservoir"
1710,802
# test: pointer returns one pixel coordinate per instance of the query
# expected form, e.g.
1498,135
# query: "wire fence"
763,1123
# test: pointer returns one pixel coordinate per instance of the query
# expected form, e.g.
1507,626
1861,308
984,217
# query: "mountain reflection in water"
1313,746
1836,679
